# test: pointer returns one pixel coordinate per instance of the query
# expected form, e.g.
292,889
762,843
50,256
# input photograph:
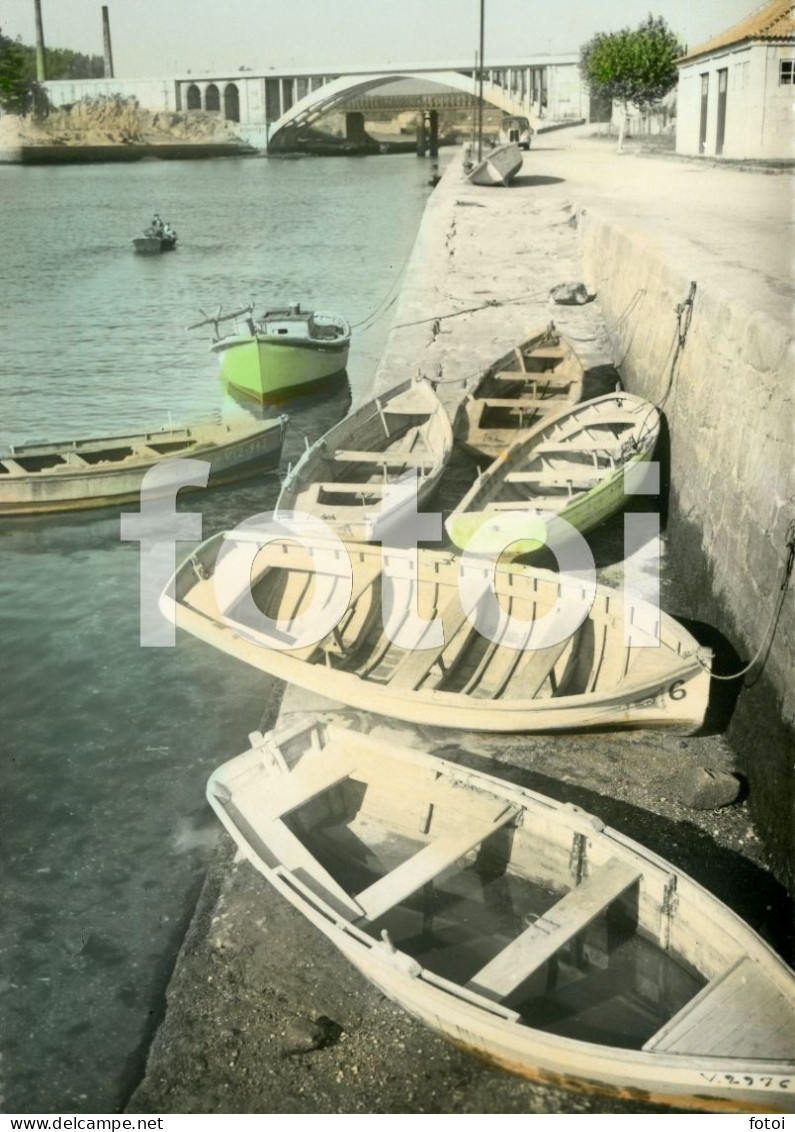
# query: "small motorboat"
541,375
158,237
286,351
345,478
519,928
428,637
570,470
498,167
77,475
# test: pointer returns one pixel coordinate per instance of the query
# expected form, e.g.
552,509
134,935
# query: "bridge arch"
231,103
212,98
194,96
332,94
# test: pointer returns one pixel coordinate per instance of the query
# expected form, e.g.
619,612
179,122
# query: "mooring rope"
770,630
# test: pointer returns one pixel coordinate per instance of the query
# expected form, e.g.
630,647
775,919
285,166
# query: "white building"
736,90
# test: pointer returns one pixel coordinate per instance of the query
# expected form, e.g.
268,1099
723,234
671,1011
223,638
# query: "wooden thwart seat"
558,479
428,863
538,943
390,458
740,1013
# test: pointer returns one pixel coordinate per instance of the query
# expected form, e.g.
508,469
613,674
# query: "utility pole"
480,82
41,73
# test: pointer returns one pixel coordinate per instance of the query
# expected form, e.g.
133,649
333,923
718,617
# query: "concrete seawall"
731,504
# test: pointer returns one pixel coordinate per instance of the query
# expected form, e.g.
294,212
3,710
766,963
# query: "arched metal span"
331,95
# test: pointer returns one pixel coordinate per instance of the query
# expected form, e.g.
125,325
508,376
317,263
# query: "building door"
723,84
702,137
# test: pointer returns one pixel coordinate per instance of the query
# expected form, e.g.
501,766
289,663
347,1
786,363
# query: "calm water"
107,746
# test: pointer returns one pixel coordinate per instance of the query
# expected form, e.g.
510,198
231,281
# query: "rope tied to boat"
770,631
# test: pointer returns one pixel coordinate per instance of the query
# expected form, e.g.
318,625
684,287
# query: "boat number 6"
677,691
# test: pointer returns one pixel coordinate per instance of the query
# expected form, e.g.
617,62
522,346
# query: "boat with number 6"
431,638
519,928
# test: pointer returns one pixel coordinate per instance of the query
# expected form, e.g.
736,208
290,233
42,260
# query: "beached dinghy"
346,477
516,926
542,375
593,662
569,470
76,475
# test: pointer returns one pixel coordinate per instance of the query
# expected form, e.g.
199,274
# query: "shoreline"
252,975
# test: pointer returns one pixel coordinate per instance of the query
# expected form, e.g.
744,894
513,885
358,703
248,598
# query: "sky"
165,37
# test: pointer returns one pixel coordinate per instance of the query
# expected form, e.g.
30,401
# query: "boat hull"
540,376
266,370
154,245
670,688
499,167
694,929
477,525
356,459
251,453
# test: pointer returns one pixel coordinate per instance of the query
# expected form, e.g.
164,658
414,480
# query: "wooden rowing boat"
498,167
348,477
541,375
76,475
568,656
568,471
518,927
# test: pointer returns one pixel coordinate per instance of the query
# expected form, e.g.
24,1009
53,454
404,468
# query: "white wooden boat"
539,376
498,167
532,675
569,470
518,927
347,478
76,475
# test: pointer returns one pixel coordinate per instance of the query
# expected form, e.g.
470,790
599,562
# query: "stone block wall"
731,419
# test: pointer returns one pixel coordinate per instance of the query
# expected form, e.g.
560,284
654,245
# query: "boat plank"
539,942
389,456
741,1012
418,662
429,862
558,478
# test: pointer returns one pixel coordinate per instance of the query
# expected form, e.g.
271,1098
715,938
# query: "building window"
785,72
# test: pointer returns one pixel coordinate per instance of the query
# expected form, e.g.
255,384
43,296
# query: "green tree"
637,67
63,63
14,88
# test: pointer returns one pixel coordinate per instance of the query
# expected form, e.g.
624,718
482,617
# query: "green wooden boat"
285,352
570,467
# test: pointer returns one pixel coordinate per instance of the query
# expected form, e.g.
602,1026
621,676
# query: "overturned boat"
498,167
349,477
518,927
541,375
576,468
431,638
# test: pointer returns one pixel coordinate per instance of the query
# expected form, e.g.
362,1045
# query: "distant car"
516,130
